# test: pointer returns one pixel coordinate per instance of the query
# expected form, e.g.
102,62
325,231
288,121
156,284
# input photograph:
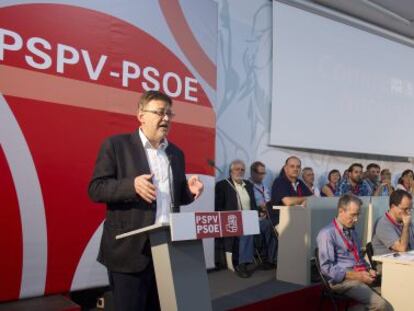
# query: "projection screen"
339,88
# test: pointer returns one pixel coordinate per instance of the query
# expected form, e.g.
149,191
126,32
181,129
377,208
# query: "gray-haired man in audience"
341,261
308,177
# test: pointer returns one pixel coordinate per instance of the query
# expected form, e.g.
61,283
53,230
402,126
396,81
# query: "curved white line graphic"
30,200
90,273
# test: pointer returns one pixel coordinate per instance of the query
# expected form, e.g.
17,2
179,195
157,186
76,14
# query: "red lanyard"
356,190
262,191
351,247
397,226
298,189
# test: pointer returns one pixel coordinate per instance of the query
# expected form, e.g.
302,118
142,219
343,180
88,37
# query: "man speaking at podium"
141,178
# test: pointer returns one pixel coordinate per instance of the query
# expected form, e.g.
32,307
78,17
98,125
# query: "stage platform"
228,292
48,303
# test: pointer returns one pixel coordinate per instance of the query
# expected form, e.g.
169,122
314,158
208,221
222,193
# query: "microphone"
211,163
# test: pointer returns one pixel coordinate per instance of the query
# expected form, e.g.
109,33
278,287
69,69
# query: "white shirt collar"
146,143
242,184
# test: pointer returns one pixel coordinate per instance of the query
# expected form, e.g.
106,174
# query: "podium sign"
202,225
178,255
219,224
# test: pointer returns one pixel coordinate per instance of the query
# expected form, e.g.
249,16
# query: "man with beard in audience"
353,184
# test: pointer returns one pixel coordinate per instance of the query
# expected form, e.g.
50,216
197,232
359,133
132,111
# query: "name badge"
360,267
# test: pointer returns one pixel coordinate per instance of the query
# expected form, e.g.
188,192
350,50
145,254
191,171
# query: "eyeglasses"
161,113
354,216
405,209
238,169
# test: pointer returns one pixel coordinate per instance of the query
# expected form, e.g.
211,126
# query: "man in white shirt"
141,178
236,193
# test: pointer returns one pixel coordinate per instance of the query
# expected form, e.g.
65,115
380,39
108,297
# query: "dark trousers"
134,291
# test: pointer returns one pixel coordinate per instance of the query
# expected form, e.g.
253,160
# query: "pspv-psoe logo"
69,77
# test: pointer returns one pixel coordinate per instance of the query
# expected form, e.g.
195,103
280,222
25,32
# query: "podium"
178,254
397,279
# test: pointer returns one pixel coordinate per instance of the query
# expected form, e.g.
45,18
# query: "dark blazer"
120,160
226,200
226,196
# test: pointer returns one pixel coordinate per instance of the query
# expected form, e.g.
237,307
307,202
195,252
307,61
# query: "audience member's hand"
411,185
406,219
366,277
372,273
144,187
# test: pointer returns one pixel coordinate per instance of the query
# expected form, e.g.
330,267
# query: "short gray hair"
308,168
347,199
234,162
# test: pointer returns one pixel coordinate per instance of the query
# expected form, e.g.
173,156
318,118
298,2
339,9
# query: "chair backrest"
370,252
325,282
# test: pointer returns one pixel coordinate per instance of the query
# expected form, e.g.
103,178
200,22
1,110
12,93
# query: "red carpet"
305,299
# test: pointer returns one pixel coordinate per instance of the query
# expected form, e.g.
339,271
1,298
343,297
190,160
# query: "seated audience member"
406,181
372,178
341,260
393,232
345,174
308,177
235,193
353,184
385,188
287,189
266,223
330,188
364,175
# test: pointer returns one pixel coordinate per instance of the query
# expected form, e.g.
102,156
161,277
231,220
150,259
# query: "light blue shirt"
334,257
370,185
261,193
